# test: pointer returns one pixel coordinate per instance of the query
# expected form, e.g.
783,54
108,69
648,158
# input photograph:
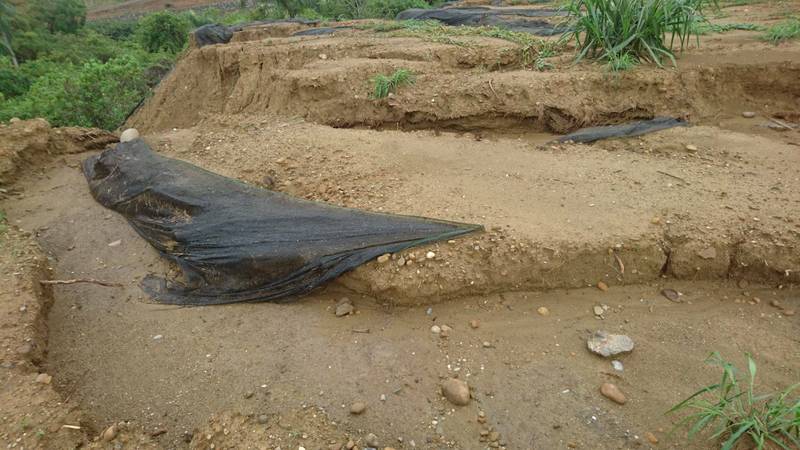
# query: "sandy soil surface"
710,211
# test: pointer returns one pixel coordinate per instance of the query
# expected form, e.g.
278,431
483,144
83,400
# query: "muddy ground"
709,210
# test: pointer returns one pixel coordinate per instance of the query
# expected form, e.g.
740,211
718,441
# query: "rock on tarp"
637,128
516,19
240,243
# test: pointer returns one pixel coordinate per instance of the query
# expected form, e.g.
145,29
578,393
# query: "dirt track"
709,210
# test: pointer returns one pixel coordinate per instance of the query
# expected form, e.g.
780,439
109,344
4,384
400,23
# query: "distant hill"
108,9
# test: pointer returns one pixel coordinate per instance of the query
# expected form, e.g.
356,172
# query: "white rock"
430,255
436,329
606,344
129,135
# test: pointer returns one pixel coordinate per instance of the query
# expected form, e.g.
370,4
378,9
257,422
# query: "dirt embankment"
326,80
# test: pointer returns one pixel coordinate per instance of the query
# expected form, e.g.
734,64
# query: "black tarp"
321,31
240,243
516,19
637,128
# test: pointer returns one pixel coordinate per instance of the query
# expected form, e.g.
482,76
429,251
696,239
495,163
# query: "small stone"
775,303
344,309
788,312
474,323
158,337
436,329
446,328
543,311
748,114
691,148
14,120
605,344
358,408
743,284
655,220
249,394
129,135
651,438
25,349
44,378
350,444
371,440
613,393
494,435
115,243
602,286
487,344
456,391
617,365
671,295
262,419
708,253
430,255
401,261
598,310
323,56
384,258
110,433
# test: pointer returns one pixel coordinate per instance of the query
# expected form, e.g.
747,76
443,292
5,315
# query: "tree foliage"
64,16
163,32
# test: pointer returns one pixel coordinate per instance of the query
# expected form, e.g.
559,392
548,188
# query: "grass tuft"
736,415
704,28
383,85
624,30
784,31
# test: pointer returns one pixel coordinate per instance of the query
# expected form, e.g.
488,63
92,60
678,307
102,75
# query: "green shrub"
388,9
13,82
64,16
789,29
643,29
119,30
93,94
736,414
163,32
385,84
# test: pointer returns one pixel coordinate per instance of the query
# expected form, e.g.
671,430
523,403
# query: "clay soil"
709,210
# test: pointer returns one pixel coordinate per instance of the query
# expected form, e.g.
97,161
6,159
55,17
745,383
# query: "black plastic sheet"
637,128
239,243
516,19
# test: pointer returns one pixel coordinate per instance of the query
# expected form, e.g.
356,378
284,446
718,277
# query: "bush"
119,30
13,82
163,32
93,94
388,9
64,16
641,29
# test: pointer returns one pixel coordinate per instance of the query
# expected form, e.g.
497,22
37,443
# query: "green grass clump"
784,31
383,85
643,29
737,415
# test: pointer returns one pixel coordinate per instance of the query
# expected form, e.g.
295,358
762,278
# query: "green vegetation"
736,415
163,32
784,31
620,32
533,51
383,85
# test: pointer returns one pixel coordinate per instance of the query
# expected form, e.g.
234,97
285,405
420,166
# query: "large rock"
605,344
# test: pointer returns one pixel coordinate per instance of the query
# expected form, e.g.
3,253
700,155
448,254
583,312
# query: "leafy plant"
643,29
7,11
734,412
64,16
784,31
383,85
163,32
